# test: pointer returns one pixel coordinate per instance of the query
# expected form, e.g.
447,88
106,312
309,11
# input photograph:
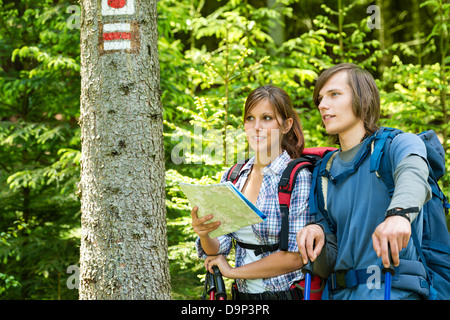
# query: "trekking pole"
307,270
210,283
221,293
388,273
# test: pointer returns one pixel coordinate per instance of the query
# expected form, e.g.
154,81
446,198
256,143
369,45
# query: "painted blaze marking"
116,36
117,7
117,4
119,36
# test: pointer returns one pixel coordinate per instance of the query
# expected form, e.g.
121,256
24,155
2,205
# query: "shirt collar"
276,167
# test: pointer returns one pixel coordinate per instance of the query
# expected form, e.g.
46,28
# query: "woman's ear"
287,125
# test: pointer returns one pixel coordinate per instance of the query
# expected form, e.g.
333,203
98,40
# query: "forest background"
212,54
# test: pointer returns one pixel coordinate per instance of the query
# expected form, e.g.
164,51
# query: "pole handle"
391,268
307,270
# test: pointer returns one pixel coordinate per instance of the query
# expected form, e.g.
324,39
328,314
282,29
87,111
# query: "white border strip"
113,27
117,45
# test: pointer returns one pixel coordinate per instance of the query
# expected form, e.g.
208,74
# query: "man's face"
335,106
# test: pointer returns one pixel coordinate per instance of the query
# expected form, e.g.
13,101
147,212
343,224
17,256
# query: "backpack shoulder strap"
378,145
327,164
235,170
309,158
285,187
379,160
319,189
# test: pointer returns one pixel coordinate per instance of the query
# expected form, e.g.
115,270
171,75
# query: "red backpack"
308,159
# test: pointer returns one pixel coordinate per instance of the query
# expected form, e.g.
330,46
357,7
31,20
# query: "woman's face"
264,130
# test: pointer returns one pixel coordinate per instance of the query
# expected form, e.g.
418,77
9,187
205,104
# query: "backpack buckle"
337,280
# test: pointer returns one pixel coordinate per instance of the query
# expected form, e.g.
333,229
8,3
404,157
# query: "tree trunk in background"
277,30
122,187
384,34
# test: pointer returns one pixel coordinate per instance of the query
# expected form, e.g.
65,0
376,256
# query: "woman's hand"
273,265
201,225
221,262
202,228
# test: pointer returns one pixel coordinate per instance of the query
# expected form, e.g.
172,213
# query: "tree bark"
123,252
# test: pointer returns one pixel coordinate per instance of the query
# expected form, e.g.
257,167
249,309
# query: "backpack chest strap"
258,248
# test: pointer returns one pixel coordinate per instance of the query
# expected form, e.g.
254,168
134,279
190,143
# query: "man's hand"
393,233
310,241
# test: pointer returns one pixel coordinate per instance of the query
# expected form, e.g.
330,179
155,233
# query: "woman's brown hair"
293,141
366,97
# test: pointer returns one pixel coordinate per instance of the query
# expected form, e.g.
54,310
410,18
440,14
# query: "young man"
357,206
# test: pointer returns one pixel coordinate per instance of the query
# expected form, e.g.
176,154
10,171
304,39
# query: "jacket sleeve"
325,262
411,185
225,245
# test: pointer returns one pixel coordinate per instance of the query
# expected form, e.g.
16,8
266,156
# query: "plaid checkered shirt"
268,232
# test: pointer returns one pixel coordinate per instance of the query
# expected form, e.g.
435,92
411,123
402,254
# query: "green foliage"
39,150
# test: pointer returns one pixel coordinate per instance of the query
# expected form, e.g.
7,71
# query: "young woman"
274,133
348,100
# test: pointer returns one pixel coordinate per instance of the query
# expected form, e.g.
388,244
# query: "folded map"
226,203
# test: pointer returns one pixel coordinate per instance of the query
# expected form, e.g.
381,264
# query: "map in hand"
227,205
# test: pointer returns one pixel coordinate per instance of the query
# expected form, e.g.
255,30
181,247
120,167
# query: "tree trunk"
384,35
122,188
